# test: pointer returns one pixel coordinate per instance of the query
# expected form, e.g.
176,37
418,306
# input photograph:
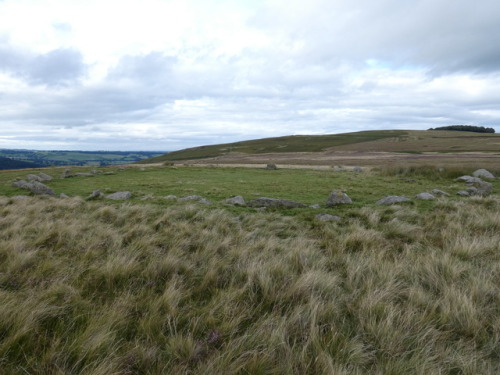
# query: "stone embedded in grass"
67,173
327,217
467,179
337,197
45,177
63,196
238,200
120,195
463,193
33,177
197,198
81,174
315,206
271,167
425,196
170,197
483,173
393,199
96,194
440,193
481,188
20,184
273,202
357,169
38,188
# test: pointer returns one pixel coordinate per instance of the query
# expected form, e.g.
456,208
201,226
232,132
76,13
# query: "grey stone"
463,193
425,196
271,167
273,202
96,194
357,169
33,177
120,195
21,184
64,196
84,174
38,188
483,173
393,199
440,193
67,173
468,179
170,197
236,201
196,198
338,168
481,188
315,206
44,177
337,197
327,217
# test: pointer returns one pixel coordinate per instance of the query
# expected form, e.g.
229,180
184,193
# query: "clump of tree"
466,128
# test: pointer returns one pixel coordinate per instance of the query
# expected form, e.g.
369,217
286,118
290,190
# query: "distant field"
313,149
82,158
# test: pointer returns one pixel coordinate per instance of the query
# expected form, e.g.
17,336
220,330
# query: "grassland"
313,149
162,287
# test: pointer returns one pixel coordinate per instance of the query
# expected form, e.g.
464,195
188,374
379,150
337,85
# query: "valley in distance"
361,253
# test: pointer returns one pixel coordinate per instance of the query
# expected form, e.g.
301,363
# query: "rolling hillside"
401,141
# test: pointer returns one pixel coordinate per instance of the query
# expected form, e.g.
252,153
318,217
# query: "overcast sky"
168,74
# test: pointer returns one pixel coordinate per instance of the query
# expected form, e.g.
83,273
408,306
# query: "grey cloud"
55,68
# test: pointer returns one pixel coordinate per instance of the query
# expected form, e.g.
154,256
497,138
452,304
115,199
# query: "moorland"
155,285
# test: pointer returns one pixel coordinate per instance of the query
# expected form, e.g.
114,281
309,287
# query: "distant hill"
406,141
6,163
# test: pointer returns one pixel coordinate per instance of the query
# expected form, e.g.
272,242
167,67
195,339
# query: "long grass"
94,288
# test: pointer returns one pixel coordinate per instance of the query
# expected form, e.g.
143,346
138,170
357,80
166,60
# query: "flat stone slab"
393,199
120,195
273,202
425,196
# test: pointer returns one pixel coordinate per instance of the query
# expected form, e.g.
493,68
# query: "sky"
169,74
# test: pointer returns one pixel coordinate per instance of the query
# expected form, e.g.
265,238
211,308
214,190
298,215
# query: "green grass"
217,184
164,287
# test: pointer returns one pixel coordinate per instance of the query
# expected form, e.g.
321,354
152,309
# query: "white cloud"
166,74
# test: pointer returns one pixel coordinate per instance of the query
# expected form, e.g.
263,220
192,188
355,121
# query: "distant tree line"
466,128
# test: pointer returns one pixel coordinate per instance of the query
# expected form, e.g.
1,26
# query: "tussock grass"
96,288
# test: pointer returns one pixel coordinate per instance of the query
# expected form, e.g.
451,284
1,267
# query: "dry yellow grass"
91,288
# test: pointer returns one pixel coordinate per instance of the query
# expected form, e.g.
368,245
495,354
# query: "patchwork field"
158,286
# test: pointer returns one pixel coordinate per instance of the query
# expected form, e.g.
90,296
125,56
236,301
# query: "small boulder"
315,206
236,201
393,199
463,193
327,217
440,193
120,195
33,177
271,167
44,177
337,197
170,197
21,184
467,179
273,202
196,198
96,194
483,173
357,169
63,196
425,196
38,188
481,188
67,173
